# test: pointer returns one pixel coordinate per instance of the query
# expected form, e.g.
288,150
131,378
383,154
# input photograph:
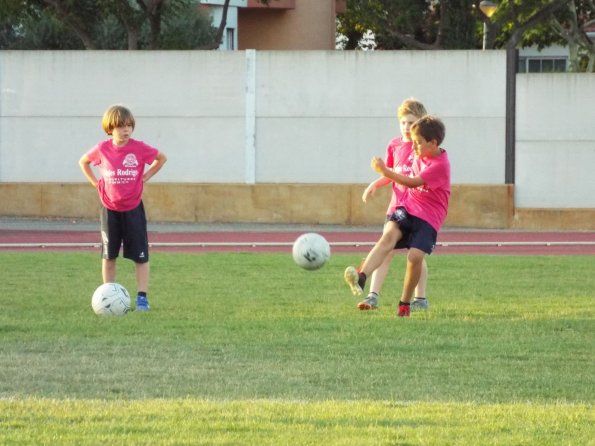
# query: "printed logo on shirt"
403,170
130,160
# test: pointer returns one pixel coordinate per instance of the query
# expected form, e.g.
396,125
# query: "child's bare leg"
420,289
142,276
142,285
380,273
415,258
357,279
377,279
383,247
108,270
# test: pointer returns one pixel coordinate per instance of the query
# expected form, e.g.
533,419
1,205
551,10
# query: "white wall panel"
555,148
319,116
552,176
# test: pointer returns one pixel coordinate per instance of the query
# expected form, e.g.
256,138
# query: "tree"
24,26
411,24
571,27
458,24
103,24
221,28
514,19
543,23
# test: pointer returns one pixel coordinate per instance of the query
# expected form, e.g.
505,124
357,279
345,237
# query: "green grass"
249,349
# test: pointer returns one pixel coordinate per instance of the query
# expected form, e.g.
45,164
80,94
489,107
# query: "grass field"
249,349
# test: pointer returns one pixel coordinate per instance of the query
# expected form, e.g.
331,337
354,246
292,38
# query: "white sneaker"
351,277
369,303
420,304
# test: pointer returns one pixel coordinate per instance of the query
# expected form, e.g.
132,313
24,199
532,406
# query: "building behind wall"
551,59
280,25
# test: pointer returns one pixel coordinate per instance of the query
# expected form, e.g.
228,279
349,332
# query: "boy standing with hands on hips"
121,161
415,223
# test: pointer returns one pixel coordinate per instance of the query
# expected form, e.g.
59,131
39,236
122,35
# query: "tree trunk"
220,30
132,38
222,25
538,17
71,20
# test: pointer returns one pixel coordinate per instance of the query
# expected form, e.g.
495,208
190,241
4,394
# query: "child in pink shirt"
399,157
121,161
416,220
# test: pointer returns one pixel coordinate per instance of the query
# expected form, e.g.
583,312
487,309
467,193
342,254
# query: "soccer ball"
311,251
111,299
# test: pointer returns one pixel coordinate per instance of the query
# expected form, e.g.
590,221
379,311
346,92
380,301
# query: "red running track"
449,242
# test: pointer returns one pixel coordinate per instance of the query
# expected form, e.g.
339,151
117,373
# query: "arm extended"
373,186
379,166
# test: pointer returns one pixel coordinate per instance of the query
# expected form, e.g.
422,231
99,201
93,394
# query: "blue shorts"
417,233
127,229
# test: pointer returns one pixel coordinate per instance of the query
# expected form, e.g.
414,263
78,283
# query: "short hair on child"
116,116
413,107
430,128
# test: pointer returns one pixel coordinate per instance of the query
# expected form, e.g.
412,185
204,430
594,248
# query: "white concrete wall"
321,116
188,104
318,116
555,147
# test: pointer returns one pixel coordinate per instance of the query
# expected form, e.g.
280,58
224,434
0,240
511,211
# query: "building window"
230,38
542,65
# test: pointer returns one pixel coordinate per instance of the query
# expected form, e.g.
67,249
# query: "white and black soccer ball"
111,299
311,251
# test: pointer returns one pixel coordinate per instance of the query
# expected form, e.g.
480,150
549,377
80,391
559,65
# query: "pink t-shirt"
121,184
430,201
399,158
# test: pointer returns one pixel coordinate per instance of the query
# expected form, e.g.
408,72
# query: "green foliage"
249,349
38,31
110,35
103,24
383,18
513,13
410,24
458,24
544,23
187,29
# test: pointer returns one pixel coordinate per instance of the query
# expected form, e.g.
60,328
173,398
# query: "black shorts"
127,229
417,233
